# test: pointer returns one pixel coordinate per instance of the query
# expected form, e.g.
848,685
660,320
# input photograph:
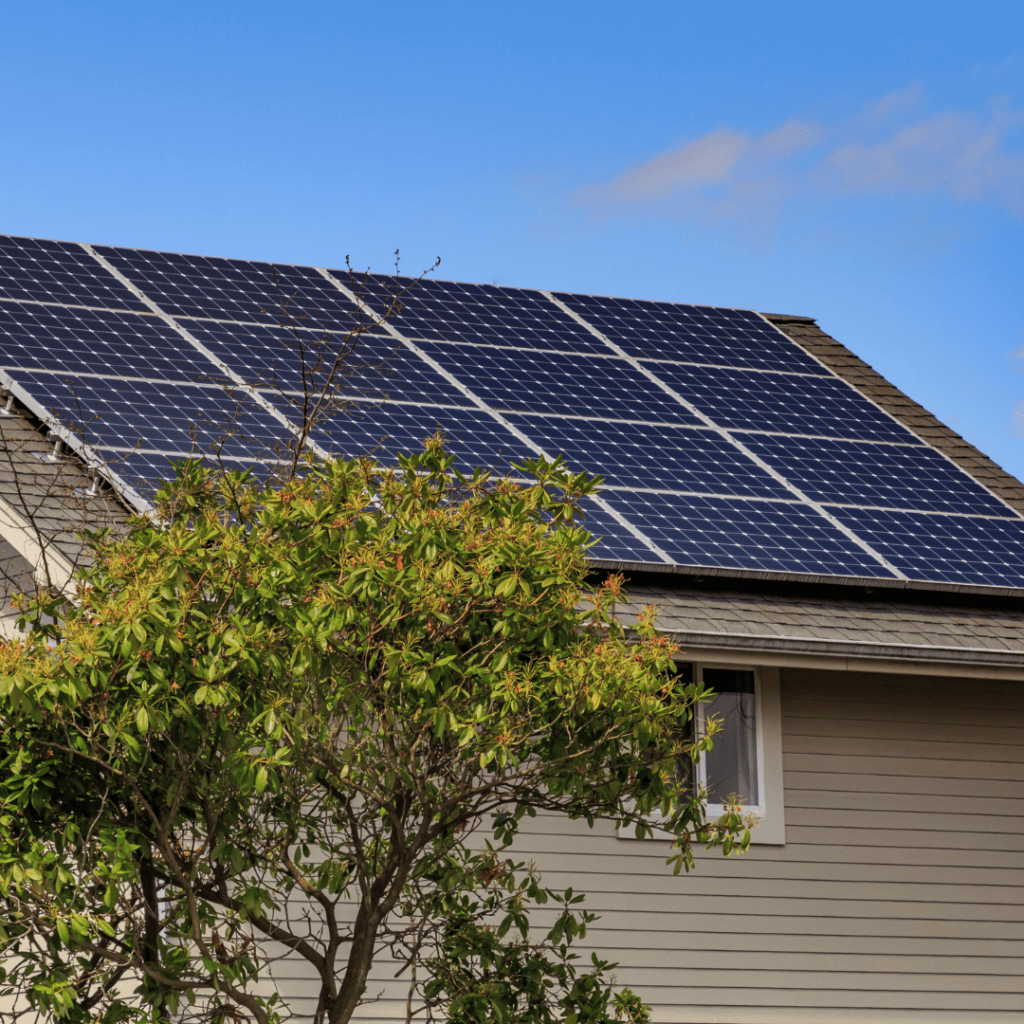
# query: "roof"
731,443
47,500
731,621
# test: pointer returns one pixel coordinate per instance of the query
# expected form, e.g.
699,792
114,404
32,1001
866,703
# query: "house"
844,569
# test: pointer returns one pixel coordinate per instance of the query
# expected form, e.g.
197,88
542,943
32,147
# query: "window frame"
770,827
760,809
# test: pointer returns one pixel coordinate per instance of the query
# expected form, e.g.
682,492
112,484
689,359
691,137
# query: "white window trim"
717,810
770,827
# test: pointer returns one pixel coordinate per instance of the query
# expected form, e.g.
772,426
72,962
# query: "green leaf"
261,778
142,720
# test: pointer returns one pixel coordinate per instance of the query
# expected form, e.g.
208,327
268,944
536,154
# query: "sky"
859,163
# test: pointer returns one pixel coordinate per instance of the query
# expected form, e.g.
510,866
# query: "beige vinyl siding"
898,897
899,894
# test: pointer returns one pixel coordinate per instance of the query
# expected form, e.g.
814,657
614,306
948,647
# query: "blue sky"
860,163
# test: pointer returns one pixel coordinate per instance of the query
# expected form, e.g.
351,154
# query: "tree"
315,716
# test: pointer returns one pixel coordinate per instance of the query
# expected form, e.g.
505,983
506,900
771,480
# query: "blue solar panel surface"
652,456
554,382
73,341
691,334
722,442
223,289
947,549
185,418
784,403
482,314
271,357
61,272
885,475
474,437
737,533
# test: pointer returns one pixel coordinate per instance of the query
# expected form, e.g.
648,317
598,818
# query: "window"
746,758
734,767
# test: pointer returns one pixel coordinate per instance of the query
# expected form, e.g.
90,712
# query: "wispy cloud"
705,160
952,153
889,148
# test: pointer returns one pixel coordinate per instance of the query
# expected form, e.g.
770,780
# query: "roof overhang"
720,649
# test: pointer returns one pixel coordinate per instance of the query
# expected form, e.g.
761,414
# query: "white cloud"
951,153
897,103
885,149
708,159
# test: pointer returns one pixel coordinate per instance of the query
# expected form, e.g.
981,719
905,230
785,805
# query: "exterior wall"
899,895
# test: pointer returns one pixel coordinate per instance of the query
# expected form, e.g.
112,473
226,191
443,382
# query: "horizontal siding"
738,918
1002,757
978,739
898,897
911,786
900,764
598,871
899,894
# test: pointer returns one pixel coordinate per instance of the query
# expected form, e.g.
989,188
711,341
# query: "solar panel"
474,437
781,403
183,418
144,469
948,549
72,341
692,334
367,366
482,314
885,475
721,441
614,541
223,289
554,382
652,456
738,533
59,272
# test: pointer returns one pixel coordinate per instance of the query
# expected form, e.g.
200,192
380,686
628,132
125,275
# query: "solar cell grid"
472,436
615,541
695,334
485,314
126,376
243,290
660,457
73,341
949,549
376,367
550,382
744,534
862,473
59,272
170,417
782,403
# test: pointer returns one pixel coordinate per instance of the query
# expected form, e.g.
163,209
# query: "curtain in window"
732,764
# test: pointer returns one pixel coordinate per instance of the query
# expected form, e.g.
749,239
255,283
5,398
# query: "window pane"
732,764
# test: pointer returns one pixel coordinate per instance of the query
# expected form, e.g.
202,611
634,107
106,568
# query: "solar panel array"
722,442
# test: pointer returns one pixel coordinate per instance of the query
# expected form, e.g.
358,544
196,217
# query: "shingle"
707,614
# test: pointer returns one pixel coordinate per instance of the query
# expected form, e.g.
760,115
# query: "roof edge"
973,656
789,318
868,583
